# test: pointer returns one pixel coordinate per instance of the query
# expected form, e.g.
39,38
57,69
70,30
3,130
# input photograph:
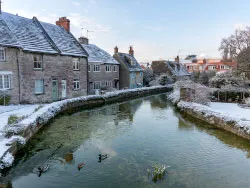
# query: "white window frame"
4,54
212,67
76,84
39,60
96,68
99,83
38,86
108,68
115,68
109,83
76,64
3,80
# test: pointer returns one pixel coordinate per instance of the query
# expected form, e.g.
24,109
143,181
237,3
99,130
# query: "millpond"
135,135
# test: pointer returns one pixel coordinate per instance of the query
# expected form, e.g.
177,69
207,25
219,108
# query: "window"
115,68
141,74
76,65
5,82
212,67
96,68
76,84
108,68
2,54
97,85
39,86
38,62
89,68
224,67
108,84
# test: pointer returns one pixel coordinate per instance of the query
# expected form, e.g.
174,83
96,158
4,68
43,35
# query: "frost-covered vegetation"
189,91
158,172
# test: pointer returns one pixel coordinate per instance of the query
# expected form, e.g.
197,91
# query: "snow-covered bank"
23,130
227,116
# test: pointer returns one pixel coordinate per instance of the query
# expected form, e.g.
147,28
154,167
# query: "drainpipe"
19,78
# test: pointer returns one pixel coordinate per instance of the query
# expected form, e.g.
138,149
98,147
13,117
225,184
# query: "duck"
102,157
42,169
80,166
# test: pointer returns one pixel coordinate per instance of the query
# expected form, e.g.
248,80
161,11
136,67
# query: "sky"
157,29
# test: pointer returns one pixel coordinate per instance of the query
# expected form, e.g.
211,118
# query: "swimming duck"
42,169
80,166
102,157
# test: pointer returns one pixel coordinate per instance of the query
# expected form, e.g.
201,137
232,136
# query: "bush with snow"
196,92
6,161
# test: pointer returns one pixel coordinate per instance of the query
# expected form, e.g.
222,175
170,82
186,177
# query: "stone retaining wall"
70,106
219,122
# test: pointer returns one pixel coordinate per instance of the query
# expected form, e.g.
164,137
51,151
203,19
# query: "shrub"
12,119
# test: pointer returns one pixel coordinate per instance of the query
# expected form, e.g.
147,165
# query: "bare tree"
236,43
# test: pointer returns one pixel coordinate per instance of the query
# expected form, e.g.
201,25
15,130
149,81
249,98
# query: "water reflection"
135,135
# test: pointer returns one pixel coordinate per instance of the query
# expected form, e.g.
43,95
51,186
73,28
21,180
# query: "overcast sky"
157,29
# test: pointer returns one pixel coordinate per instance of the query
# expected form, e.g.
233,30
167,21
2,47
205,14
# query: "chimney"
116,50
131,51
177,59
64,22
83,40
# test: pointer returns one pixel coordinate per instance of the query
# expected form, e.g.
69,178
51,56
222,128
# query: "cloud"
75,3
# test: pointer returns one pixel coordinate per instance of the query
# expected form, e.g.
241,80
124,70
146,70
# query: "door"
64,89
54,90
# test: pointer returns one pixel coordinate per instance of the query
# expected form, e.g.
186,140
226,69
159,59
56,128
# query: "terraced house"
131,73
103,69
40,62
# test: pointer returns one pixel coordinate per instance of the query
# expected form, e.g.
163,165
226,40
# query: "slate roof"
32,35
177,69
97,54
126,59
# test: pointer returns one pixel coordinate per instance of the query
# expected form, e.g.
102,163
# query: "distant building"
40,62
200,65
131,73
174,69
103,69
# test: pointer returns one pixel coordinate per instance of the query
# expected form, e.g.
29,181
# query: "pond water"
136,135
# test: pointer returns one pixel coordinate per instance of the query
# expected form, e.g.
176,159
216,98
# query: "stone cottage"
131,73
103,69
40,62
173,69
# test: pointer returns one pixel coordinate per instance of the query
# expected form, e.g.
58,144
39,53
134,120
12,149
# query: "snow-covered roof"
32,35
177,69
97,54
129,61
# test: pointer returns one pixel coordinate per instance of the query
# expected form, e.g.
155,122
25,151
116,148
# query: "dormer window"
2,54
38,62
76,64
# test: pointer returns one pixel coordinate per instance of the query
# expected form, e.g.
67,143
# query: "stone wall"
73,105
11,64
230,126
102,76
54,67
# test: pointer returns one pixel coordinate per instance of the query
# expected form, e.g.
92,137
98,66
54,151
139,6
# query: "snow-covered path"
5,112
232,110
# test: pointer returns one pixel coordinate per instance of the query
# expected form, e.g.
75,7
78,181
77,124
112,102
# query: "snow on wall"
208,112
49,111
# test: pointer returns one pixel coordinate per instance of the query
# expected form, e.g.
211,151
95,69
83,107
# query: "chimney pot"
83,40
64,22
131,51
116,50
177,59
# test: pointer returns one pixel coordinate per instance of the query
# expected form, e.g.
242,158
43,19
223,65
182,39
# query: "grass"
158,172
12,119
